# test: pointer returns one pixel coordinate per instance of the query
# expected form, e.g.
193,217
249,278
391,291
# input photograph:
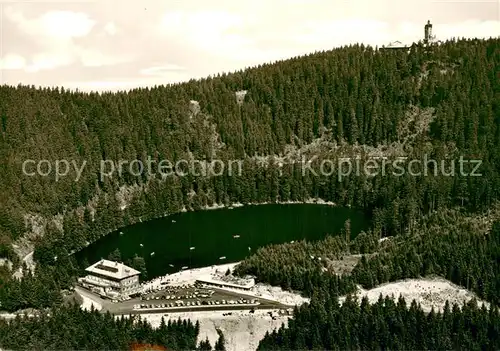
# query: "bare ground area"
242,330
345,264
428,292
88,300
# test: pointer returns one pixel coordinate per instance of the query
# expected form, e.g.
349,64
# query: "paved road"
249,297
227,308
126,307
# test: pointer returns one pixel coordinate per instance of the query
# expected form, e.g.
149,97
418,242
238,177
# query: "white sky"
111,44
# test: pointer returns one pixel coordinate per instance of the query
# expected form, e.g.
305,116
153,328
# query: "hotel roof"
112,269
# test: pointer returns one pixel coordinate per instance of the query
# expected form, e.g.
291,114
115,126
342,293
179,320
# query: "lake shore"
25,249
222,233
316,201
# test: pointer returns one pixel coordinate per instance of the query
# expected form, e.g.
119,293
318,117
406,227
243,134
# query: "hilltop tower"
428,32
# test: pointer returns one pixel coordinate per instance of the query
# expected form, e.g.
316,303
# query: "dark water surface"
213,234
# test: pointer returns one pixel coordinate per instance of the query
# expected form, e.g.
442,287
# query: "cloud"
468,29
11,62
333,33
110,28
95,58
111,44
66,24
161,70
53,24
208,30
47,61
57,33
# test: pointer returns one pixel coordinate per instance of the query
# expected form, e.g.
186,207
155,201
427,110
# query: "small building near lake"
241,284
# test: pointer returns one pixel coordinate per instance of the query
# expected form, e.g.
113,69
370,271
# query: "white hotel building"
111,278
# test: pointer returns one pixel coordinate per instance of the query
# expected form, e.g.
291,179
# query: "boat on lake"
236,236
192,248
222,258
185,267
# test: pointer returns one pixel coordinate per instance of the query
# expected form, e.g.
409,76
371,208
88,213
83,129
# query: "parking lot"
191,296
186,298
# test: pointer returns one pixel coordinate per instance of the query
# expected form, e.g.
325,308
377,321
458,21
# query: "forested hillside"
354,94
448,243
464,249
386,325
441,101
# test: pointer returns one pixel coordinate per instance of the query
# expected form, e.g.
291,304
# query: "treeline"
386,325
40,289
70,328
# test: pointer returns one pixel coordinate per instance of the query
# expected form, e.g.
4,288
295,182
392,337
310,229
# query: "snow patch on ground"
6,262
277,294
88,302
240,96
242,330
8,315
126,194
428,292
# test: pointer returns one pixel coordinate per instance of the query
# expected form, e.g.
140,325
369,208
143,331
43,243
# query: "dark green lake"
198,239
